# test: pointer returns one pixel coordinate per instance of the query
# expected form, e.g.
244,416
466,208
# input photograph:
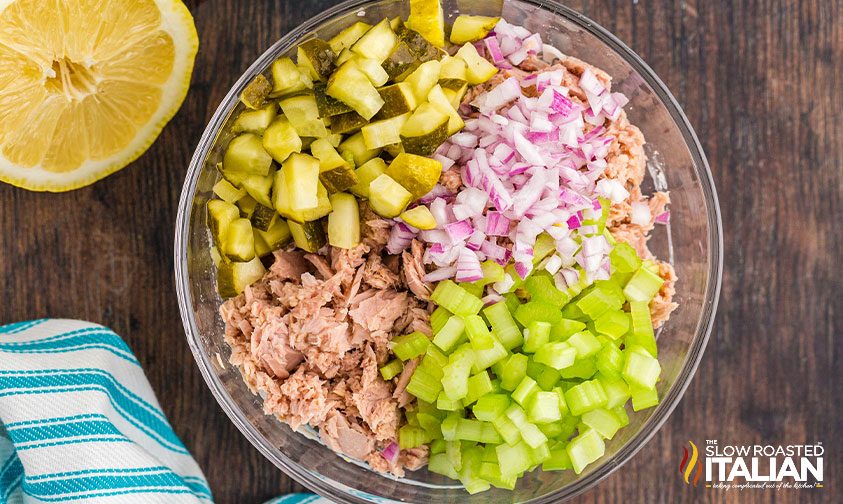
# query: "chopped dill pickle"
417,174
318,57
255,121
234,277
328,106
425,131
387,197
280,139
309,236
344,221
348,36
334,172
256,92
369,171
347,123
352,87
220,216
245,155
239,242
303,114
377,43
397,99
286,78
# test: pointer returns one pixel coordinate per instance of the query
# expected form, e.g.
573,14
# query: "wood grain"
760,81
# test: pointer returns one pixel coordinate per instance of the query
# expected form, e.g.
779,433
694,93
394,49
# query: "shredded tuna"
451,180
310,336
414,271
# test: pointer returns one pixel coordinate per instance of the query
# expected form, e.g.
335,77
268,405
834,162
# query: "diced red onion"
460,230
468,267
640,214
400,238
491,299
663,218
438,207
552,264
440,274
391,452
497,224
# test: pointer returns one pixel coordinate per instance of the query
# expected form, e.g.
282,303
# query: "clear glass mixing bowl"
693,242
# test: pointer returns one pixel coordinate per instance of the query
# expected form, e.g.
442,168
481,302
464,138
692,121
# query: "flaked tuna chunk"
375,229
377,275
403,380
413,271
322,267
288,265
451,180
379,312
341,436
303,399
271,346
346,261
663,305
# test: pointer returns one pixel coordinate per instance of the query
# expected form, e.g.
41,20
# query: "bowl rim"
668,402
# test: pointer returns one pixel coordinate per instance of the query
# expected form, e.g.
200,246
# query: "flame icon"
686,467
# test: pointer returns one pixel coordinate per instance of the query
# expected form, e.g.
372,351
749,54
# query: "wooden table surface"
760,81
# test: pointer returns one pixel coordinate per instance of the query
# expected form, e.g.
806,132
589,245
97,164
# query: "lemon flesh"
87,85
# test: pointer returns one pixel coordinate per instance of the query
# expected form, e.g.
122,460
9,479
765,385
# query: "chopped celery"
410,345
621,414
490,406
456,299
478,386
542,288
424,386
546,377
610,361
539,454
514,459
507,429
605,296
504,325
581,368
513,371
585,343
435,359
484,359
537,310
437,446
643,398
642,333
613,324
617,391
430,424
438,464
586,396
491,472
456,373
524,390
563,405
536,335
444,403
412,437
473,288
469,474
559,459
565,328
449,426
624,258
640,368
476,430
478,333
391,369
543,407
439,318
551,429
453,450
585,449
603,421
558,355
449,333
643,286
529,432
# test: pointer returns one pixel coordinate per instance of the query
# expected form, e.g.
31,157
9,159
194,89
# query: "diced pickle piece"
280,139
454,90
420,46
318,57
471,28
423,79
401,61
247,205
352,87
372,69
302,175
344,221
245,154
303,114
334,172
261,248
453,68
355,146
220,216
348,36
419,217
342,57
347,123
425,131
227,192
479,70
309,236
255,121
427,18
387,197
276,236
263,217
258,187
417,174
256,92
369,171
239,242
234,277
328,106
379,134
286,78
376,43
398,99
281,198
438,99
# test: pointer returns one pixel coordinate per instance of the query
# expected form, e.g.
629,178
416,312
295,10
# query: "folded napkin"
80,423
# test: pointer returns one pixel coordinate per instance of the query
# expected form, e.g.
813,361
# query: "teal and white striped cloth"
79,423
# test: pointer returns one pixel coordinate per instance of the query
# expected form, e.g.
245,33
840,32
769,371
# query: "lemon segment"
86,86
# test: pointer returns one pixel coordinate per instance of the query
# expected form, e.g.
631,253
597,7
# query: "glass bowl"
693,243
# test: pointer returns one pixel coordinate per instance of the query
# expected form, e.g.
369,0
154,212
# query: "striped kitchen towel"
80,423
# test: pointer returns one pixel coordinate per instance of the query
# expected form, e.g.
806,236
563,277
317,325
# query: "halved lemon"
87,85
